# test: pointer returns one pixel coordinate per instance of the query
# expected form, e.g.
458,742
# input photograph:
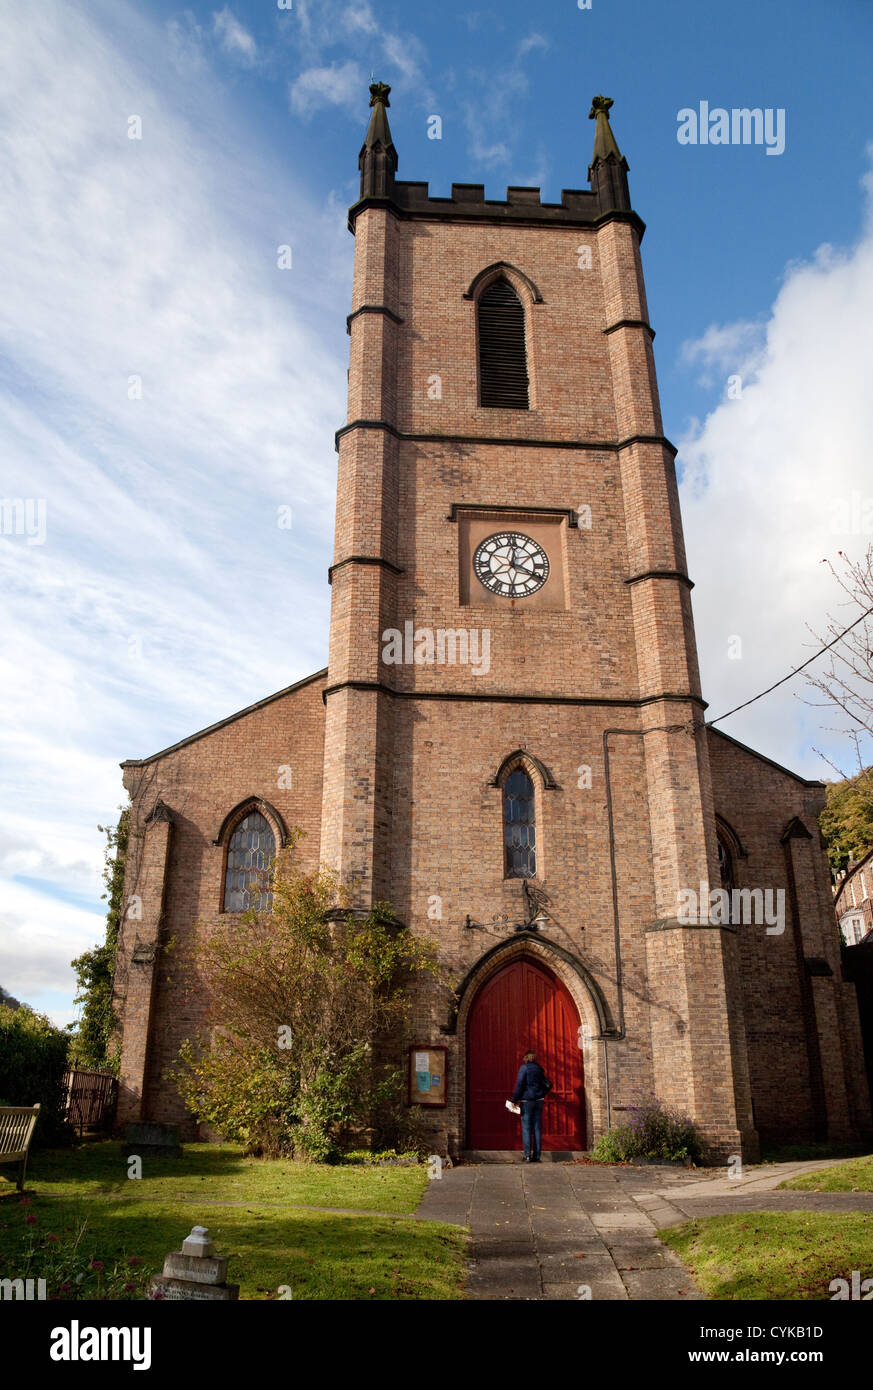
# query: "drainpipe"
606,1076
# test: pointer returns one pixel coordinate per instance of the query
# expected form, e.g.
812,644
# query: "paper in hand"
516,1109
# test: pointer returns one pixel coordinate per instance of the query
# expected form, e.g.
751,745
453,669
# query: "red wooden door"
523,1007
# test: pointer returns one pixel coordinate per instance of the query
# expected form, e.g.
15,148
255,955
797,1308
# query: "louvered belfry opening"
502,354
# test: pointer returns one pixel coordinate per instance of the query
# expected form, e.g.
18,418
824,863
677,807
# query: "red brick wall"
405,809
759,801
408,812
200,783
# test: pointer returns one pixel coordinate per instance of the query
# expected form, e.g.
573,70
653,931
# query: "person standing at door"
531,1089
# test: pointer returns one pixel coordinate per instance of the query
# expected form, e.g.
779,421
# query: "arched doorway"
523,1006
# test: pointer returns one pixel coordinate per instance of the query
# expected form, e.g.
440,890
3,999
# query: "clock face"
511,564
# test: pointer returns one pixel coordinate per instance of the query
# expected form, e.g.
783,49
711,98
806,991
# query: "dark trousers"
532,1127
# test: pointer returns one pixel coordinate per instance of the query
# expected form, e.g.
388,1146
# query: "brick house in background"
508,742
853,905
853,900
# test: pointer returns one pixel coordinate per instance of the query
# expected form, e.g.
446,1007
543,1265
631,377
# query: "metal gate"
90,1099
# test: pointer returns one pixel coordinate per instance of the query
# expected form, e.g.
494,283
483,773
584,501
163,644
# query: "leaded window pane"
520,828
250,854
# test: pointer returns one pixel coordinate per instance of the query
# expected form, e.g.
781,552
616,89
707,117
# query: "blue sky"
164,596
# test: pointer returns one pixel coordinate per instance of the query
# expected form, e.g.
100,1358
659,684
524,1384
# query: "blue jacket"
531,1083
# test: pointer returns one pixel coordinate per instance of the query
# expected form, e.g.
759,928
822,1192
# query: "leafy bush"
383,1158
304,1002
33,1059
654,1130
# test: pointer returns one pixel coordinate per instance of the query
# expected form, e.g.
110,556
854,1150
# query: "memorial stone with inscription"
194,1272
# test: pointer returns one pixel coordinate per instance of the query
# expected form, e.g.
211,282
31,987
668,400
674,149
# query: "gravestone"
147,1138
194,1272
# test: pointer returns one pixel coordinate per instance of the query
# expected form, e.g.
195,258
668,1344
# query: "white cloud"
491,118
532,44
406,55
360,18
765,480
39,936
234,39
165,596
732,349
185,38
396,57
340,84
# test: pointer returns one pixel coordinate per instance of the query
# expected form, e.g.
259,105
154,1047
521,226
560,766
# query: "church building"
508,743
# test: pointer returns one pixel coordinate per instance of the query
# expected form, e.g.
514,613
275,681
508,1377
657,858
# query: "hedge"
33,1059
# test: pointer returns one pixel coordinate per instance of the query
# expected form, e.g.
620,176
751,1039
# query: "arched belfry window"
250,854
503,379
519,825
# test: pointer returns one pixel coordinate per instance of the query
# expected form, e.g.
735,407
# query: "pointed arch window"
725,864
250,854
503,377
519,825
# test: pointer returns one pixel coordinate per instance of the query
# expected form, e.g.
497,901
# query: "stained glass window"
520,834
249,859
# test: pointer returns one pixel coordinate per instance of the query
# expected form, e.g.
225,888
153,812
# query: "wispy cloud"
728,349
395,55
492,118
359,18
340,84
233,38
186,43
164,387
768,482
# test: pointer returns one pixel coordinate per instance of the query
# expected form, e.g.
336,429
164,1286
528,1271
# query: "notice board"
427,1075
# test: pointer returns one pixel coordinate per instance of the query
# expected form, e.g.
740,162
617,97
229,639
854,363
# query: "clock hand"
524,568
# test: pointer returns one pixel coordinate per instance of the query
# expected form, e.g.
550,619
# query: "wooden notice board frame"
427,1084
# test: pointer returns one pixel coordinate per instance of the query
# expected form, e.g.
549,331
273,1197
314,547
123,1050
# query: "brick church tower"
508,744
504,481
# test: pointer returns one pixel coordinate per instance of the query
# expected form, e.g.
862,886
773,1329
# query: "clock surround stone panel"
547,532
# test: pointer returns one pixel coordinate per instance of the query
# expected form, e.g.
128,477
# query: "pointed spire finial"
608,168
379,92
378,158
604,140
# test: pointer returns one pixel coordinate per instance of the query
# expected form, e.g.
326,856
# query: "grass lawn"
255,1210
854,1176
791,1153
774,1255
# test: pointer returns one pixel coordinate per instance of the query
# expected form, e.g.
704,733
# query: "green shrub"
33,1059
92,1036
655,1131
302,1002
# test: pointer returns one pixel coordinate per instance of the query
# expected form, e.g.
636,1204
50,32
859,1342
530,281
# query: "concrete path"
571,1230
690,1194
556,1231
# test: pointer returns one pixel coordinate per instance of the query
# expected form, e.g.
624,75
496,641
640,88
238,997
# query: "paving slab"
622,1221
560,1266
660,1284
643,1254
600,1292
545,1233
509,1249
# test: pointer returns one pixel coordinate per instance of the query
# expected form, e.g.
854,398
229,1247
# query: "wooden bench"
17,1123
